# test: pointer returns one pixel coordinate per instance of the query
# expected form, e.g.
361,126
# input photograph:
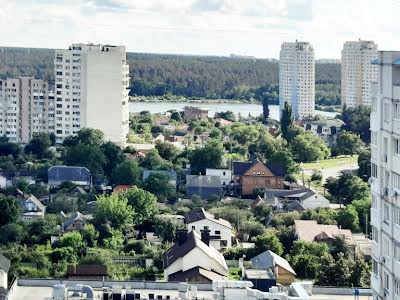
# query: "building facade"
26,108
297,78
359,76
385,178
91,90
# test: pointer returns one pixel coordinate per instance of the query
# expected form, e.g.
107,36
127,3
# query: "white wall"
226,233
3,279
224,174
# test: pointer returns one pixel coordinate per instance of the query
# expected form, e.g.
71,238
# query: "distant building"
27,107
75,222
326,129
359,76
60,174
282,270
224,174
220,229
250,176
32,208
171,175
92,87
192,113
193,260
87,272
297,78
203,186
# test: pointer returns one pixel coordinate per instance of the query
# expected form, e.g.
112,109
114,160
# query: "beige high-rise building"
358,74
385,177
26,107
297,78
91,86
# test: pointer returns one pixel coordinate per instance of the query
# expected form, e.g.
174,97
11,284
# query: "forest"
208,77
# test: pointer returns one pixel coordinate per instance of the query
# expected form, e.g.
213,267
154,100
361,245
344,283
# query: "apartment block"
297,78
91,90
26,108
385,177
359,76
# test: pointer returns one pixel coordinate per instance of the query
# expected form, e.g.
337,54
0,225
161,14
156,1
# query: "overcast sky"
207,27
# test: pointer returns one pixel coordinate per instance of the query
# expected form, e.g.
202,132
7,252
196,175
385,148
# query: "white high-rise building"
297,78
358,74
91,90
385,177
26,107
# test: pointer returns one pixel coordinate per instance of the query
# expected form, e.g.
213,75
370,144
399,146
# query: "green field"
335,162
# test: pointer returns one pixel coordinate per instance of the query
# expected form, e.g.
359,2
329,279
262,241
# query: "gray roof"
76,216
204,181
258,274
200,214
68,173
171,174
296,194
327,122
4,263
35,200
269,259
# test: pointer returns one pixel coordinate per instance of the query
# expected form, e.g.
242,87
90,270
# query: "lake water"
243,108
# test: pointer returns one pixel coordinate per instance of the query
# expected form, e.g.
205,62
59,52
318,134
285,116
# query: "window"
217,232
396,181
397,252
386,214
374,138
386,279
375,234
386,249
396,146
396,110
386,112
374,266
396,287
396,215
206,228
374,170
193,227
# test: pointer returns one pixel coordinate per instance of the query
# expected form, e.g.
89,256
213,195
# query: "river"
243,108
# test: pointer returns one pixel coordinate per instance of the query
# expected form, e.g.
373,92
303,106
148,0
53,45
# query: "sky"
204,27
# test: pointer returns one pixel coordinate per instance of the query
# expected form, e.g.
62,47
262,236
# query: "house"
122,188
24,175
192,113
6,179
87,272
262,280
159,138
76,222
4,268
203,186
60,174
224,174
269,260
193,260
249,176
297,199
32,208
311,231
171,174
223,121
326,129
220,229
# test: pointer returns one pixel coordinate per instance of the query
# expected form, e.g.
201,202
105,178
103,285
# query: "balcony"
396,91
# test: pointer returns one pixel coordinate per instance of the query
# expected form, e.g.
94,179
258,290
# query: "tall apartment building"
297,78
91,90
385,177
358,74
26,107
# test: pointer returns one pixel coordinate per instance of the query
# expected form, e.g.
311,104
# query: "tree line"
189,76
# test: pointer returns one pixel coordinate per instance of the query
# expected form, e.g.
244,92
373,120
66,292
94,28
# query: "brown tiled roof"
312,231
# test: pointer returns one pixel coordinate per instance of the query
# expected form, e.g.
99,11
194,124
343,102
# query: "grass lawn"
330,163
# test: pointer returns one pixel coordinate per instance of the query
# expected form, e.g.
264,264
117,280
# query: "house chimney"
182,237
205,236
216,216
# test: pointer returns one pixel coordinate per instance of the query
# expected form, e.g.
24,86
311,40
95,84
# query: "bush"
316,176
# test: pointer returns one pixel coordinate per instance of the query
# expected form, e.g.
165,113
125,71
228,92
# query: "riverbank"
182,99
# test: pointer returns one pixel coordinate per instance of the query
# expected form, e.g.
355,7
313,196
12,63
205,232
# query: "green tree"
210,156
8,148
167,150
347,188
85,155
9,210
12,233
357,120
113,210
90,235
335,272
127,172
227,115
39,145
167,228
364,164
153,161
114,156
87,136
268,241
143,202
265,106
159,184
348,143
286,120
348,218
73,240
307,147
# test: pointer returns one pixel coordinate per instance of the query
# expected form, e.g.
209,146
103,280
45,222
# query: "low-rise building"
32,208
202,186
250,176
75,222
60,174
326,129
4,268
220,229
224,174
192,259
192,113
281,268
